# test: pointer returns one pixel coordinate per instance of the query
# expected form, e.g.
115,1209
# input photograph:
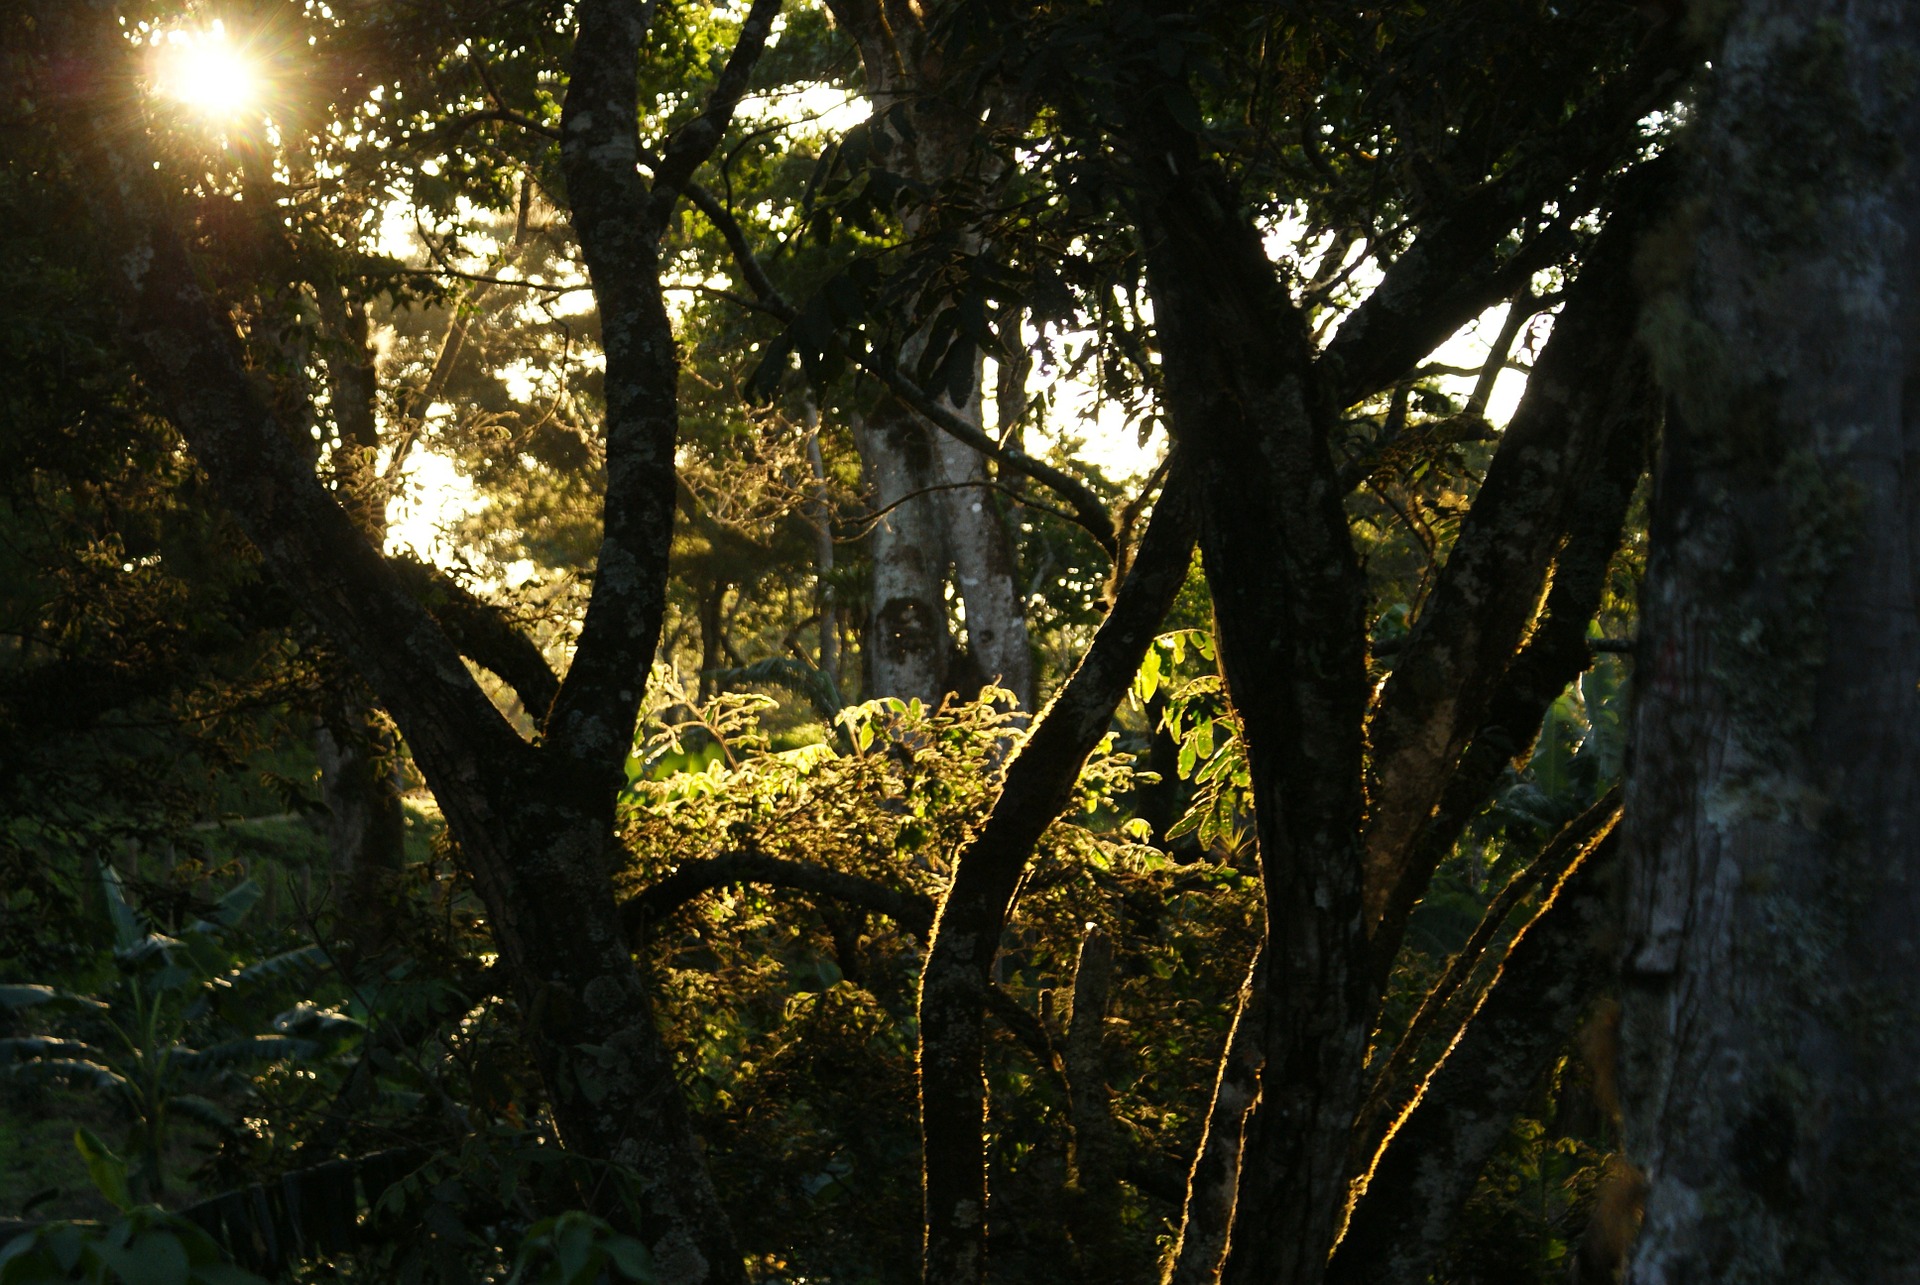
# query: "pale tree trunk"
820,518
1772,1007
907,644
983,564
902,66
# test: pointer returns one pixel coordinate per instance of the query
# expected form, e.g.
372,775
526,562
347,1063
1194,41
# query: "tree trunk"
899,451
956,979
983,563
908,648
819,513
355,745
534,821
1246,408
1771,1020
984,574
366,825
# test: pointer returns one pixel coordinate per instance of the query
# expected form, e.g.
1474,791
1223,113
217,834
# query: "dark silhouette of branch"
1214,1181
483,633
913,911
1450,274
1391,1093
1084,508
1588,391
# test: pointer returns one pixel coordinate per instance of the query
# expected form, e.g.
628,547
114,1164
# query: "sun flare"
207,72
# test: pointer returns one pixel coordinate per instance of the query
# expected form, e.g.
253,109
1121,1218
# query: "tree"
1159,150
1769,1022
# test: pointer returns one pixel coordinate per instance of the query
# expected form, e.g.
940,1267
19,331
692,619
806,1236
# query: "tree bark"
983,567
1587,391
908,647
1093,1159
1771,1014
900,453
1213,1183
534,822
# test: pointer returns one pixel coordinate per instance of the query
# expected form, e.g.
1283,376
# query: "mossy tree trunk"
1772,1008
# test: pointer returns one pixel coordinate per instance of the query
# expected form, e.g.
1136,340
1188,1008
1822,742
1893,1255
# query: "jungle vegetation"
1094,640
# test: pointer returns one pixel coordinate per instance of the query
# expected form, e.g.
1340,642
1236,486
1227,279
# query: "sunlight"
434,498
207,72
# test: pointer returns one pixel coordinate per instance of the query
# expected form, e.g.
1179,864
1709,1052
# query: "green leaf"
72,1071
302,959
630,1257
240,899
35,1048
127,929
108,1171
156,1258
28,996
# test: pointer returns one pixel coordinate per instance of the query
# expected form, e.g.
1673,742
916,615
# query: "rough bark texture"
957,977
1421,1181
1771,1024
938,156
983,567
1093,1161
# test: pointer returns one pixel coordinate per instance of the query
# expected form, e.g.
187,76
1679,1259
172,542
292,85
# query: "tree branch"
1450,274
189,356
1585,392
1038,785
1083,507
1557,652
594,713
913,911
1433,1157
483,633
691,145
1389,1097
1214,1181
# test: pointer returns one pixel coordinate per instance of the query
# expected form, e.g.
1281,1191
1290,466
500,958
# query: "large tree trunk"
1247,410
1772,1007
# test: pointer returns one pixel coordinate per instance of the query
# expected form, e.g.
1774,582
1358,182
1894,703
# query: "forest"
945,641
